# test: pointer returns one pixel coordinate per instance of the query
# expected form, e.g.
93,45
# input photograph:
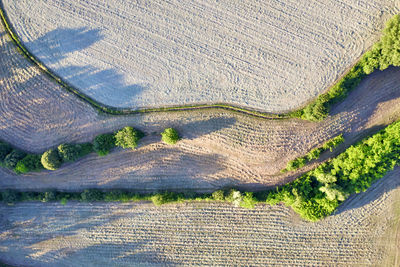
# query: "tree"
30,162
12,159
71,152
5,149
103,143
128,137
51,160
170,136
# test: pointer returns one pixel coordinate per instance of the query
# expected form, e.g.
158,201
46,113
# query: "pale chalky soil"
267,55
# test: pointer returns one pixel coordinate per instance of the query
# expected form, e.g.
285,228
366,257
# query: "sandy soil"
267,55
219,148
49,234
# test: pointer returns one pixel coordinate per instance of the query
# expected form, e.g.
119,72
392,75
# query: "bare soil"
218,149
141,234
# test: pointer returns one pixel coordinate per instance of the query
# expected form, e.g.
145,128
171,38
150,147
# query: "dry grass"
267,55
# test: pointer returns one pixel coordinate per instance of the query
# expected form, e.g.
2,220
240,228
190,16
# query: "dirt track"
268,55
49,234
219,148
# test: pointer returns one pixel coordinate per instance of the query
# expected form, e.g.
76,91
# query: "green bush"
51,160
128,137
89,195
103,143
170,136
218,195
49,196
5,149
71,152
9,196
248,201
11,160
30,162
163,198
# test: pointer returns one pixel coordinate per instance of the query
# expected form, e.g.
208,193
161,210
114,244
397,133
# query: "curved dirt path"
141,234
219,148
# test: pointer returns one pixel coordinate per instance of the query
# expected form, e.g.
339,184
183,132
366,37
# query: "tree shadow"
104,85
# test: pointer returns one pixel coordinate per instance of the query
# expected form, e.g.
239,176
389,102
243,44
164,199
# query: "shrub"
49,196
51,160
248,201
12,159
71,152
5,149
30,162
128,137
89,195
170,136
218,195
9,196
103,143
162,198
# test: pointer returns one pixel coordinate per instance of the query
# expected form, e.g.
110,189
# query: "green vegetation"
72,152
383,54
128,137
51,159
30,162
319,192
314,195
103,143
170,136
11,160
313,154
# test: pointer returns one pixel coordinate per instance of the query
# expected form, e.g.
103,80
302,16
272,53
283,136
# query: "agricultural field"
266,55
364,232
219,148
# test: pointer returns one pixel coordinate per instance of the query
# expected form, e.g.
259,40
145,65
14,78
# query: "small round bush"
103,143
12,159
30,162
51,160
71,152
170,136
5,149
128,137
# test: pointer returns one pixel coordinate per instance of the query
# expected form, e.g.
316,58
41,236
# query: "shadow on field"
379,188
105,85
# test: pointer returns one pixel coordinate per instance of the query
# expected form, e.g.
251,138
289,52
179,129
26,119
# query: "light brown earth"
141,234
268,55
219,148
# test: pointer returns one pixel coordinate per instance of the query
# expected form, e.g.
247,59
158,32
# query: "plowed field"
266,55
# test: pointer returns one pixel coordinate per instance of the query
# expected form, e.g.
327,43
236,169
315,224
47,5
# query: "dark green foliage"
72,152
9,196
11,160
128,137
49,196
30,162
170,136
313,154
218,195
89,195
103,143
51,159
167,197
5,149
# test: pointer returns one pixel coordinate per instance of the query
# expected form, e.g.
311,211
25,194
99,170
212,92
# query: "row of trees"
313,154
383,54
314,195
52,159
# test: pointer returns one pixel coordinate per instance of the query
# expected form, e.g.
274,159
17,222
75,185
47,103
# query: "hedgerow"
314,195
313,154
383,54
103,143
